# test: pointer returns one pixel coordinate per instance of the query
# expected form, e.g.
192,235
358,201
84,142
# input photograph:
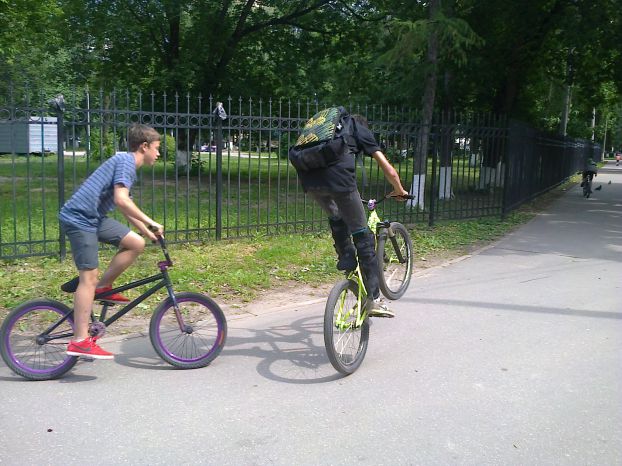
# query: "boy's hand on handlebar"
155,231
399,196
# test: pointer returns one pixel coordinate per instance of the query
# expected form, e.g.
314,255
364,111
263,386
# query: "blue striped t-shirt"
95,197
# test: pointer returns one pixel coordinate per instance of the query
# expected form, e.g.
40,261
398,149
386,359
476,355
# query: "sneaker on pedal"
113,298
88,348
378,308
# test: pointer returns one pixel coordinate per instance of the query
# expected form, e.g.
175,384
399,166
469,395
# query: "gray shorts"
85,244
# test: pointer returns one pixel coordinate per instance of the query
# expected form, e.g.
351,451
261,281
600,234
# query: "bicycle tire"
19,345
204,336
394,275
346,344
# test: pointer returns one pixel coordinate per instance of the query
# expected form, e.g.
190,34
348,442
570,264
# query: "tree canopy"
535,60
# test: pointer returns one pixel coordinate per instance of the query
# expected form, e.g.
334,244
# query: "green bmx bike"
346,322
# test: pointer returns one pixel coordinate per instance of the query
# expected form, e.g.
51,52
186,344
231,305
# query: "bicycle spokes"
346,328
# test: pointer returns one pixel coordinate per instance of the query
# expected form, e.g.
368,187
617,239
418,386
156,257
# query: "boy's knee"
140,244
133,242
89,278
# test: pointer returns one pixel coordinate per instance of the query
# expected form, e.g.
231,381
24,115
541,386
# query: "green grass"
260,194
237,271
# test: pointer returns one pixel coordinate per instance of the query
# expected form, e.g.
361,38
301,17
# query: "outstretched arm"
390,174
124,203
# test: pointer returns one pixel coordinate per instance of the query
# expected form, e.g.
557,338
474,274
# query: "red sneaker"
89,348
113,298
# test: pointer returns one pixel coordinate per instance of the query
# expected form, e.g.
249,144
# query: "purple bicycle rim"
67,361
177,358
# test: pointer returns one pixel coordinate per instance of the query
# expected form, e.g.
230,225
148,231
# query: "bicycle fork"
183,327
386,226
343,315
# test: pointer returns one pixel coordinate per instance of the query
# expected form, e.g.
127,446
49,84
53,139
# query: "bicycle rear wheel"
202,337
395,260
345,341
29,344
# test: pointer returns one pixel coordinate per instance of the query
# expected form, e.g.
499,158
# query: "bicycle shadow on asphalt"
291,353
295,351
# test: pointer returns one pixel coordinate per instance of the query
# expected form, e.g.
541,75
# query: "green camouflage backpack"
322,140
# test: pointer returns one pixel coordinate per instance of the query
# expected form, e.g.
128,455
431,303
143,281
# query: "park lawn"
260,193
237,271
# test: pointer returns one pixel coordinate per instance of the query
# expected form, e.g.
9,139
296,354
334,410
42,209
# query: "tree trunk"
563,129
447,132
421,150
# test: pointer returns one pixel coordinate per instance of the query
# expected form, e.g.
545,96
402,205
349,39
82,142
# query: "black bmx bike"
346,321
187,330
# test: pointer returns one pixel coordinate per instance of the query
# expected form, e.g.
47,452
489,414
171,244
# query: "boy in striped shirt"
85,222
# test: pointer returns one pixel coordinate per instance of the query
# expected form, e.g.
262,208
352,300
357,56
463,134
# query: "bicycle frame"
163,280
343,315
379,227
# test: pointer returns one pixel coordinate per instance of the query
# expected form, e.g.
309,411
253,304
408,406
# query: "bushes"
102,145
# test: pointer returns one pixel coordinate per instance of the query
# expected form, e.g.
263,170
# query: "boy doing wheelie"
324,158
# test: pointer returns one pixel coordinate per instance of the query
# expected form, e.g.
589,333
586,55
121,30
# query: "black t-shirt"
341,177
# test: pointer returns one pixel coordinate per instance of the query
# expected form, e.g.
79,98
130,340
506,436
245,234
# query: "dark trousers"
347,207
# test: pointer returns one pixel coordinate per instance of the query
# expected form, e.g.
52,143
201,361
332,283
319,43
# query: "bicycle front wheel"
395,261
344,338
34,339
197,339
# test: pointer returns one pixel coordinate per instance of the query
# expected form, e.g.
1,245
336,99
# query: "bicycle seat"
71,286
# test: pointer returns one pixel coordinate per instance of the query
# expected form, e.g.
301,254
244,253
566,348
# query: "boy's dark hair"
137,134
360,119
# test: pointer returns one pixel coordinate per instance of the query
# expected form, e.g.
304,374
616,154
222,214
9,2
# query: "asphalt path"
509,356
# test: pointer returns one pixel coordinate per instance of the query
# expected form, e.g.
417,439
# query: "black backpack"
322,140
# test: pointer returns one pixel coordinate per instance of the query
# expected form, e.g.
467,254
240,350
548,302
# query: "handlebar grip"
405,196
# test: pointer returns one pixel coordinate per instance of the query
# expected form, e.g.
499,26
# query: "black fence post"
221,115
58,106
510,128
434,136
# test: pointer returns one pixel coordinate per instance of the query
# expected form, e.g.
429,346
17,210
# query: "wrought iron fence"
227,179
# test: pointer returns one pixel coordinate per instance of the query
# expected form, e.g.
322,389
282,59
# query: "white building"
37,135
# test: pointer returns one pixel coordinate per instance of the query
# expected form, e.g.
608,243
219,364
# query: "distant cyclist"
589,172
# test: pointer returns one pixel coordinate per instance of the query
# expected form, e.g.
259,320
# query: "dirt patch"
285,297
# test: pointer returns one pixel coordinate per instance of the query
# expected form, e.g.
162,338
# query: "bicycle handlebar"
375,202
160,239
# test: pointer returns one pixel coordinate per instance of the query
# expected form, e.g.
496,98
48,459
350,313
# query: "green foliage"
102,144
509,57
456,39
168,147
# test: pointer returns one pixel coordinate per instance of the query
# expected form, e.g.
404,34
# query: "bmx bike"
187,330
346,321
